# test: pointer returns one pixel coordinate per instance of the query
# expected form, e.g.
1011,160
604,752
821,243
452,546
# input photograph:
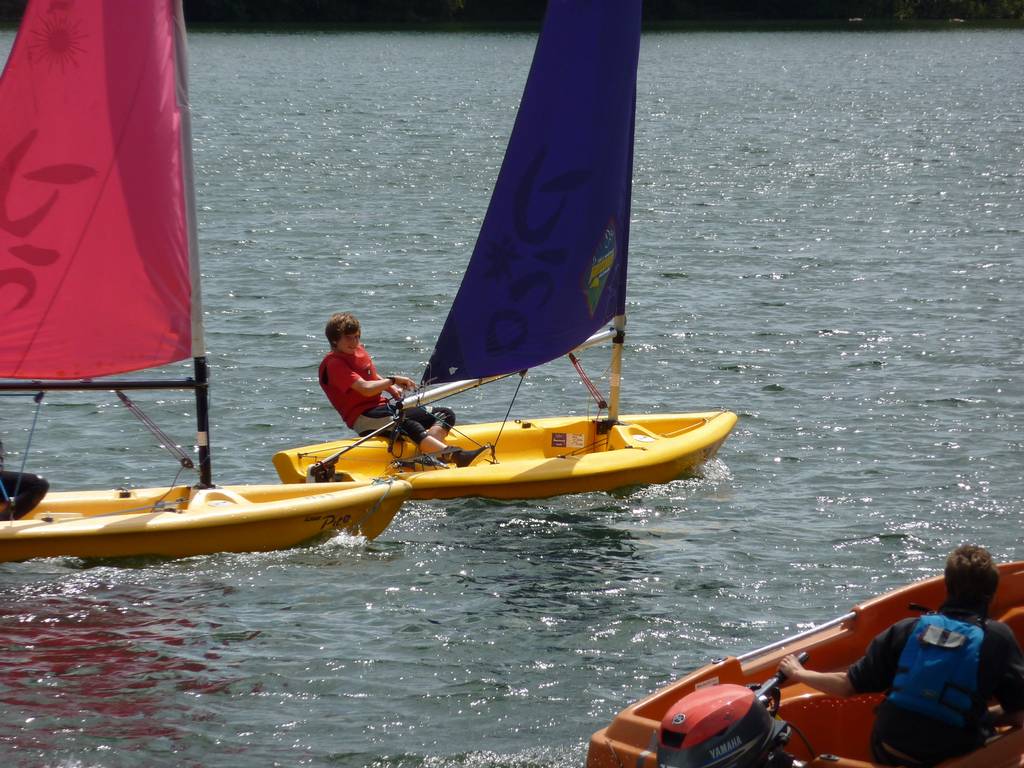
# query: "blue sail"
549,266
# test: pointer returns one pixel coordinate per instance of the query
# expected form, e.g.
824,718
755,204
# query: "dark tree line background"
478,12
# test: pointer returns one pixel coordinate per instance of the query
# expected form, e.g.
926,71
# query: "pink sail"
96,245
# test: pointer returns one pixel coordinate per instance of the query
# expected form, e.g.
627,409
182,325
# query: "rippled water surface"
826,238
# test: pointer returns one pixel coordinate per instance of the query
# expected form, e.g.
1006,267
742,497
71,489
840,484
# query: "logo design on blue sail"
596,277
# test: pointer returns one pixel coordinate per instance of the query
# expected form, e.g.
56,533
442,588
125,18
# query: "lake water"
826,238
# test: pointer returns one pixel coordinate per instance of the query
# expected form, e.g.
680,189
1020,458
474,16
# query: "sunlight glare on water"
825,239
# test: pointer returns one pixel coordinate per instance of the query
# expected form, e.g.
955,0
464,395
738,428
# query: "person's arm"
833,683
392,384
1009,691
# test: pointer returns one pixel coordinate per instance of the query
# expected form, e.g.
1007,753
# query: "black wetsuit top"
1000,675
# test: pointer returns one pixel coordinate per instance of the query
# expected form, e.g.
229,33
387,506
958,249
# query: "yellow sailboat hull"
536,458
181,521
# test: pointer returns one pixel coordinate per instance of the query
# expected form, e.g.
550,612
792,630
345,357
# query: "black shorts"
414,425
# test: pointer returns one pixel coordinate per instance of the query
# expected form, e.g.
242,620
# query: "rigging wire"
150,507
174,483
522,378
38,397
358,525
602,404
165,442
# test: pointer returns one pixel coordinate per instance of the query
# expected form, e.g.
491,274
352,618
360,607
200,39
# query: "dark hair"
971,574
340,324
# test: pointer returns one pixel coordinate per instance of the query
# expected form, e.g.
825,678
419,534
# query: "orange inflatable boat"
834,733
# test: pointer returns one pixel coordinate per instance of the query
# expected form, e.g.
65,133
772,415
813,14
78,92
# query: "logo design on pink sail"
22,227
595,279
58,39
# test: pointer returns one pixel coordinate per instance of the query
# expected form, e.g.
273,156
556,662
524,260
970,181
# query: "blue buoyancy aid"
937,673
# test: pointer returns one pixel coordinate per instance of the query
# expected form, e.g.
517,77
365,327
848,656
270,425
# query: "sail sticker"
600,267
567,440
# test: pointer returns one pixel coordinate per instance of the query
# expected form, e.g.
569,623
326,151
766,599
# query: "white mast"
189,188
615,383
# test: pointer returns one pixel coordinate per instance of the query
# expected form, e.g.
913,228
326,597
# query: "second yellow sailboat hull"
181,521
535,458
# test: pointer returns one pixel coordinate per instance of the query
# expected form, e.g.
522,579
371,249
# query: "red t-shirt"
338,371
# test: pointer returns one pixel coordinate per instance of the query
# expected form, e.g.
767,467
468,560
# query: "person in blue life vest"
939,671
350,380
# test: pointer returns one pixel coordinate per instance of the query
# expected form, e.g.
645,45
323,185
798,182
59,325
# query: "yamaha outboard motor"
726,726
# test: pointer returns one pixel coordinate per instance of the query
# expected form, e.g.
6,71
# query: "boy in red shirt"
350,380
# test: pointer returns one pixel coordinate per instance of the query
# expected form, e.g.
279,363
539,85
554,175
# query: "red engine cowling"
721,726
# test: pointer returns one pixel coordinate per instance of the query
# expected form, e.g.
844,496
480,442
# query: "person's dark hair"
340,324
971,574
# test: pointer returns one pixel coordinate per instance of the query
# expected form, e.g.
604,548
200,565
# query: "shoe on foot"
464,458
430,460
